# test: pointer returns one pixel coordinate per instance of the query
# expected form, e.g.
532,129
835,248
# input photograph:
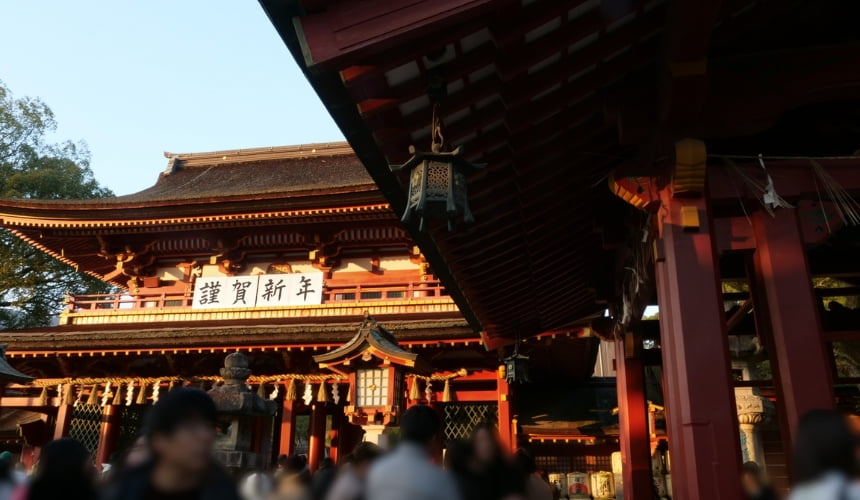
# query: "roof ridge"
175,160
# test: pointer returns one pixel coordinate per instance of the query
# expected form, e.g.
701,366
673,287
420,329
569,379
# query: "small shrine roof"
9,374
372,338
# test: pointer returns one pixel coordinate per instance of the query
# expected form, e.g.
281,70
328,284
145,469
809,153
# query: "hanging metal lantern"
437,183
516,365
516,368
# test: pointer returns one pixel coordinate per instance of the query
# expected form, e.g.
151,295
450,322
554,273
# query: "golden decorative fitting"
690,168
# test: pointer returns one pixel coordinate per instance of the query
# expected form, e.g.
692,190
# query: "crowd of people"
173,460
826,462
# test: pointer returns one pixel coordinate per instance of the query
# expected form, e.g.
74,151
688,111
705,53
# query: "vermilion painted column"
316,444
782,274
671,398
702,417
633,426
335,451
63,421
505,416
108,434
288,428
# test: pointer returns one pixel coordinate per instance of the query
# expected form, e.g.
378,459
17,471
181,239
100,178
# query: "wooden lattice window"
554,465
86,426
460,419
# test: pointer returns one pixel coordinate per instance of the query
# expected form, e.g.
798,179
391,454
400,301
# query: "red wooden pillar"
782,276
63,420
505,416
108,434
702,417
335,451
288,428
633,426
316,445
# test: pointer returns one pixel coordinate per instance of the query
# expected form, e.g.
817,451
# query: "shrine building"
680,178
293,257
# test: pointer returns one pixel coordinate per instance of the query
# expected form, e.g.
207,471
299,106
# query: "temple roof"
207,334
241,174
200,196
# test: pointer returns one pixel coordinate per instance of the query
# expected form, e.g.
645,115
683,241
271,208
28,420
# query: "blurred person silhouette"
407,472
824,458
536,487
135,455
459,461
753,483
350,481
65,471
280,466
292,484
323,478
19,473
180,433
497,477
8,483
256,486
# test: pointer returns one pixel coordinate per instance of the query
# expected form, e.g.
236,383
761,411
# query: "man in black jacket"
180,430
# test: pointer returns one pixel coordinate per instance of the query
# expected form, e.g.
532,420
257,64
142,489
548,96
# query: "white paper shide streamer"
308,396
129,395
156,387
107,394
335,393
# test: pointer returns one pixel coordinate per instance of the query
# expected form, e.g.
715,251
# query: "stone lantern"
240,413
376,366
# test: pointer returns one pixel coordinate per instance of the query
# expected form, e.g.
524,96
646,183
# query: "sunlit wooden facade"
622,144
237,217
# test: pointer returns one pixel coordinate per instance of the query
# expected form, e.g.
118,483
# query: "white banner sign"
258,291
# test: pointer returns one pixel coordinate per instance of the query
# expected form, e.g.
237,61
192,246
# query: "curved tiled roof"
239,174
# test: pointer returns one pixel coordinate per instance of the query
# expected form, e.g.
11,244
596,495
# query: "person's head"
326,463
363,457
294,464
824,443
180,429
525,462
419,425
282,461
6,460
458,456
65,471
751,478
485,444
138,454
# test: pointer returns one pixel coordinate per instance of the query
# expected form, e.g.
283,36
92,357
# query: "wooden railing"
337,294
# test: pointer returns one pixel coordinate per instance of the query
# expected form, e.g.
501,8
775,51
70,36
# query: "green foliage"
32,284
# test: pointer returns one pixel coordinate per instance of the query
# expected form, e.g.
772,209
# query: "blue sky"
135,79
